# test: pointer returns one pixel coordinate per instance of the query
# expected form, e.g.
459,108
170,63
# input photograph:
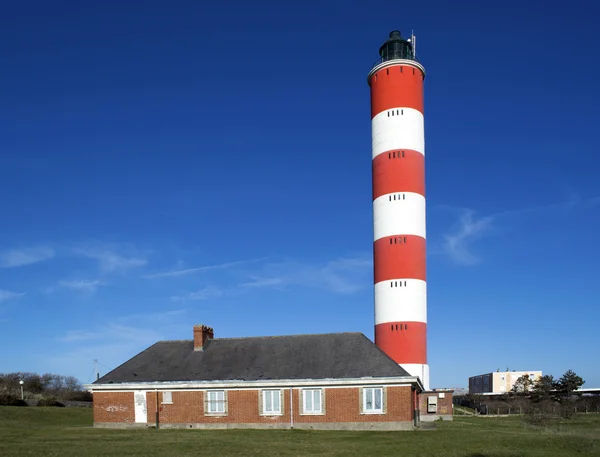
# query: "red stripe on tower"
399,247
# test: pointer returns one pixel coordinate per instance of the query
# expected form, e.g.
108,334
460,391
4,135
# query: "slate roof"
322,356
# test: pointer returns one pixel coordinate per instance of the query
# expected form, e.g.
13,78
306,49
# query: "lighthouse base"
418,369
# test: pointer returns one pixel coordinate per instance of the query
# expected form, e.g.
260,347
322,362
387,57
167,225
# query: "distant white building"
499,382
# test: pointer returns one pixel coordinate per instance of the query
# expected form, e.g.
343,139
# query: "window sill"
215,414
312,414
373,412
270,414
166,403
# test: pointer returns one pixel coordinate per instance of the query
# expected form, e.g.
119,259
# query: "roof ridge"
289,335
269,336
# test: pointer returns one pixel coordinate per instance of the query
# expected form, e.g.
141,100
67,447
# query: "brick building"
325,381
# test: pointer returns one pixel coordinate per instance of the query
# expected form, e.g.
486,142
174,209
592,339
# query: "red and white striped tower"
396,83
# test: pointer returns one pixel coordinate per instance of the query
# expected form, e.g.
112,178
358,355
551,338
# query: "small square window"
167,397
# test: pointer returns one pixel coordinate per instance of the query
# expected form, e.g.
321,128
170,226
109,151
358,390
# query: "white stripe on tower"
399,220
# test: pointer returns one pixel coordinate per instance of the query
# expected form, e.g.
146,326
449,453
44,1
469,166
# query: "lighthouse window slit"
405,239
394,154
402,154
388,114
392,326
404,283
402,112
389,155
396,326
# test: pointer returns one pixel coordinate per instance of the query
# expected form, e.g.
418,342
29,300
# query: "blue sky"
183,164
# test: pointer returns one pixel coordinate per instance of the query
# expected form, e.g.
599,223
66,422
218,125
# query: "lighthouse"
399,246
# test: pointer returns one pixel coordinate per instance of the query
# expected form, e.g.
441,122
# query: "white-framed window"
373,400
215,402
271,402
432,404
312,401
167,398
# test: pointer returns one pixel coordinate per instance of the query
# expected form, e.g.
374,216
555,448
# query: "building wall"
498,382
114,407
443,406
341,409
482,383
504,381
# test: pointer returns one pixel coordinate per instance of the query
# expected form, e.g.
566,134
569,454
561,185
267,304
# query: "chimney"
202,334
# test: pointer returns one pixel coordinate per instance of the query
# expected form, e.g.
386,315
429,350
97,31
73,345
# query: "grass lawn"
67,431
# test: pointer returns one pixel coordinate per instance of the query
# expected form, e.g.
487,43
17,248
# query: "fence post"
520,410
509,410
498,411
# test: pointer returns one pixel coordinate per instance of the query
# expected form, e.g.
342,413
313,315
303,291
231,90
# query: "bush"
11,400
539,418
50,402
82,396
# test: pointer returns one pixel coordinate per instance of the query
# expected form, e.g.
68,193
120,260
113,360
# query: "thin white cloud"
6,295
111,342
112,258
79,335
342,276
186,271
258,282
84,285
457,243
205,293
26,256
110,332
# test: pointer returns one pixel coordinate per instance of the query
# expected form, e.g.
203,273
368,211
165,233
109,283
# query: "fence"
554,409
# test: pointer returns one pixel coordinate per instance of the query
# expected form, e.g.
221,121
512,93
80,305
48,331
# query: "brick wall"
444,404
113,407
340,405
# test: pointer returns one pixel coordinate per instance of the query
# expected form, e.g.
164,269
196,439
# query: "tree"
569,382
522,385
543,388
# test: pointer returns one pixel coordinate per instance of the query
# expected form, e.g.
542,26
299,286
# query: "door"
141,413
